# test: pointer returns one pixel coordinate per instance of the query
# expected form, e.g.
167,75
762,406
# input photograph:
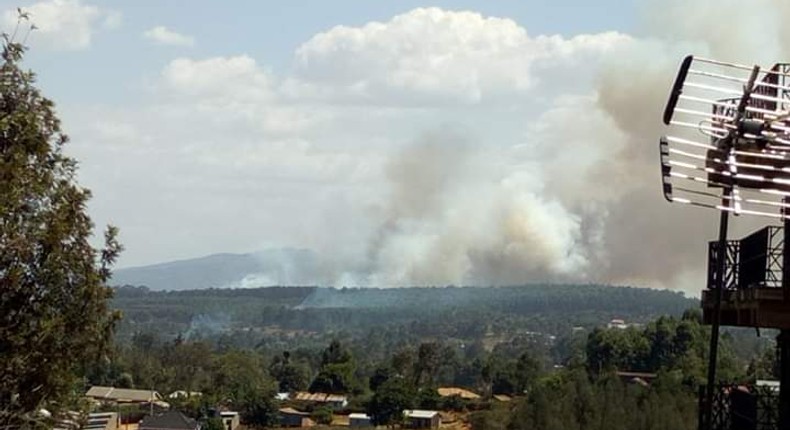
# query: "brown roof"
292,411
455,391
122,394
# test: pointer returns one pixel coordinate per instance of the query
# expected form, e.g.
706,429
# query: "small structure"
421,419
502,398
170,420
230,419
290,417
335,401
102,421
460,392
359,420
617,323
125,395
768,385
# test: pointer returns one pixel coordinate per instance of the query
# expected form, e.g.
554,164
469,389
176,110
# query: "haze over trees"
54,313
568,382
546,346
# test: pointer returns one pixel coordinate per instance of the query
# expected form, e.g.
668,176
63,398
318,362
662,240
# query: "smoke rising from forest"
582,201
435,147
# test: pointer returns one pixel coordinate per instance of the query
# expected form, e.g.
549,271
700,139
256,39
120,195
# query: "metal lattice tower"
729,150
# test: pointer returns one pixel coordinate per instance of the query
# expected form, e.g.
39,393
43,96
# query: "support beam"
714,331
783,346
783,340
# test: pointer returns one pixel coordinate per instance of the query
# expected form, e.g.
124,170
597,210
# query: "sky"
403,143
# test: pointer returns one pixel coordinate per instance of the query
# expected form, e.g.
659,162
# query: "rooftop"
418,413
460,392
122,394
169,420
319,397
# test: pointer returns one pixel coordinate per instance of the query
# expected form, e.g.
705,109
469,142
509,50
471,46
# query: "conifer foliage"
54,313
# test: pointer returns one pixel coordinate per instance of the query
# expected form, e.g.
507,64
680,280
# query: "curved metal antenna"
729,150
729,127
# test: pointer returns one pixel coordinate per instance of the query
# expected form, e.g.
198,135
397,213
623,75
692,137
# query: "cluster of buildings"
295,413
414,418
159,416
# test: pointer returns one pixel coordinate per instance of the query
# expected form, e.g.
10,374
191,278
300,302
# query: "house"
125,395
290,417
335,401
419,419
460,392
102,421
230,419
359,420
617,323
772,386
170,420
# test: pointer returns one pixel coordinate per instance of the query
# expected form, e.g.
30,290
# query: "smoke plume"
581,199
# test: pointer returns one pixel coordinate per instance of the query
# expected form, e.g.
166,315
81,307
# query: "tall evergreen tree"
54,314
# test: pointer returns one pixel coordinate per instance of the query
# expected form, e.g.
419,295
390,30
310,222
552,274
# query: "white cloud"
161,35
543,165
430,54
63,24
228,146
235,78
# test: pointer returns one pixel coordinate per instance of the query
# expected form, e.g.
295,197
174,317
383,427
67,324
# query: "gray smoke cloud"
647,240
458,213
437,147
581,200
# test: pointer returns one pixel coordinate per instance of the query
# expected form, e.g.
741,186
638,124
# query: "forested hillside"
548,347
277,314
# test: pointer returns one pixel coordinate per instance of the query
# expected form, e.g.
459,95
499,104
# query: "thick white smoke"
455,216
437,147
580,200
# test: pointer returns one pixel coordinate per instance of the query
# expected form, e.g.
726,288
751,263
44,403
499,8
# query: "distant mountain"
285,266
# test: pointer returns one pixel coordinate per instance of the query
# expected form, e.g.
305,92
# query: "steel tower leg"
714,332
783,340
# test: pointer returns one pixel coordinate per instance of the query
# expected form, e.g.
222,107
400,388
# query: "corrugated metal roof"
335,398
417,413
122,394
319,397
